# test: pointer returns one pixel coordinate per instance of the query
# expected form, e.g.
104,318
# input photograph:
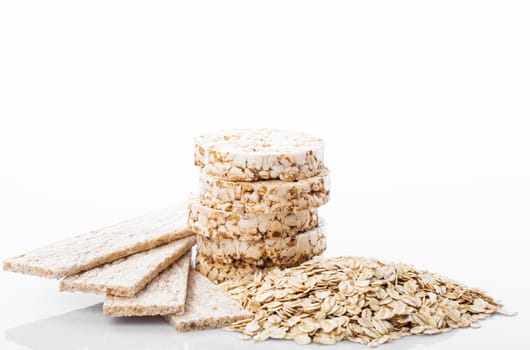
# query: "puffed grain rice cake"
261,197
220,272
280,252
254,154
213,223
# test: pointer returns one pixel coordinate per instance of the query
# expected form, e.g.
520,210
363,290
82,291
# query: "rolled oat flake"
358,299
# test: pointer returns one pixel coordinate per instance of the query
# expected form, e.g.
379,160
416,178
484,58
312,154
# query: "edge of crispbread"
207,306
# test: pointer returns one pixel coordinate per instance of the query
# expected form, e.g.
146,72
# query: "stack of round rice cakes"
257,206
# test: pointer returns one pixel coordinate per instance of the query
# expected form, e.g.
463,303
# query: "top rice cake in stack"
258,188
259,154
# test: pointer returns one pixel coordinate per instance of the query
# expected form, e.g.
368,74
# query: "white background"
424,107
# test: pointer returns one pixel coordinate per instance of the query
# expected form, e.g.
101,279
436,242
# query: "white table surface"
423,106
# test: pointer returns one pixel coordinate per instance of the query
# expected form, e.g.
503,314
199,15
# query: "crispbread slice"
164,295
83,252
207,306
126,276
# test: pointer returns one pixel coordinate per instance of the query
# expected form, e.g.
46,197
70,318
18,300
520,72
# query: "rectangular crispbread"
207,306
164,295
86,251
127,276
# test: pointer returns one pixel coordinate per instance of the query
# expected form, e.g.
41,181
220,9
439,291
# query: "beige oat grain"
362,300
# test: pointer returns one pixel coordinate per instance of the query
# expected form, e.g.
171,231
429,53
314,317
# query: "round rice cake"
259,154
215,224
282,252
266,196
220,272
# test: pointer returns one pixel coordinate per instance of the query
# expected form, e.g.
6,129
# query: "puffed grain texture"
261,197
254,154
221,272
213,223
280,252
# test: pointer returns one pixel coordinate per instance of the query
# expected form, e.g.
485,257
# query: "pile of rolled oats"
257,206
358,299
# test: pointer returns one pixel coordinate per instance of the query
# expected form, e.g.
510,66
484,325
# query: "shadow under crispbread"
88,329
